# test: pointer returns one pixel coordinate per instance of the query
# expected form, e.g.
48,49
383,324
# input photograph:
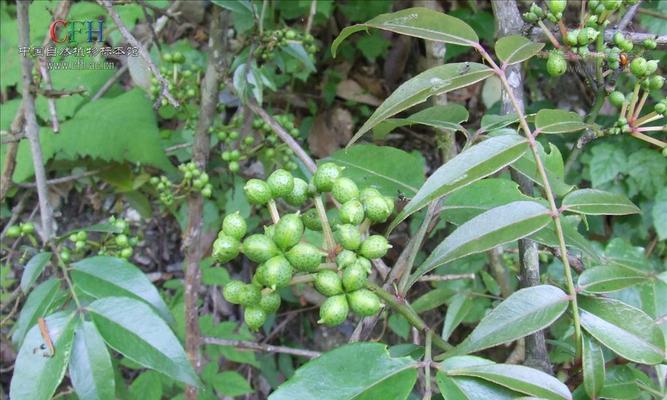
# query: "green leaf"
296,50
592,362
146,386
457,310
607,161
492,228
553,163
559,121
418,22
36,375
432,82
333,376
90,368
625,330
491,122
463,388
40,301
132,328
516,48
524,312
620,383
477,162
659,213
598,202
388,169
432,299
610,278
103,276
34,269
231,383
448,117
518,378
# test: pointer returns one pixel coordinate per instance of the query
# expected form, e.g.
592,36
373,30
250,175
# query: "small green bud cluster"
118,242
23,229
272,40
661,107
193,180
554,12
273,148
620,126
183,81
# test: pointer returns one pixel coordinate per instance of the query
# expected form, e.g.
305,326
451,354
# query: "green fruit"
334,311
638,66
259,248
277,272
376,209
79,245
254,317
617,98
618,38
234,167
328,283
530,17
612,4
249,295
354,277
121,240
299,194
535,9
656,82
288,231
290,35
351,212
65,255
365,263
311,220
556,64
649,44
325,176
346,258
557,6
27,228
270,302
305,257
348,236
281,183
13,231
571,37
126,253
364,303
226,248
374,247
234,225
369,192
257,191
258,277
660,108
81,236
232,291
344,190
651,66
626,45
390,203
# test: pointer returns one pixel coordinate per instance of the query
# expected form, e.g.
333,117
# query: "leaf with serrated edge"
598,202
610,278
592,362
516,48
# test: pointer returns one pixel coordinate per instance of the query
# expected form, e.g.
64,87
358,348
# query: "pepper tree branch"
244,344
31,127
635,37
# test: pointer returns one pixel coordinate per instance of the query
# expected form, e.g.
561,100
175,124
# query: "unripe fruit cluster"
281,250
193,180
118,243
23,229
272,40
183,81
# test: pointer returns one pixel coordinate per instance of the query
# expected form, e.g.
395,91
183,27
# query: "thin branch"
110,82
244,344
64,179
629,15
443,278
10,155
634,37
311,15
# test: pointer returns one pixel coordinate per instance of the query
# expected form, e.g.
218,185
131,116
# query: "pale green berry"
257,191
364,303
249,295
374,247
259,248
234,225
226,248
305,257
377,209
334,311
232,291
328,283
299,194
346,258
352,212
348,236
270,301
354,277
288,231
281,183
277,272
325,176
254,317
344,189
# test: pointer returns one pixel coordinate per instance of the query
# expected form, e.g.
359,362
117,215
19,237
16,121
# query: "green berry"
27,228
290,35
571,37
234,225
288,231
638,66
374,247
270,302
121,240
660,108
234,167
232,291
556,64
354,277
305,257
369,192
617,99
257,191
207,191
328,283
259,248
626,45
325,176
79,245
557,6
126,253
344,190
226,155
299,194
390,203
348,236
612,4
346,258
167,57
81,236
656,82
178,57
65,255
352,212
277,272
377,209
311,220
618,38
364,303
365,263
649,44
530,17
334,311
225,248
281,183
249,295
254,317
651,66
13,231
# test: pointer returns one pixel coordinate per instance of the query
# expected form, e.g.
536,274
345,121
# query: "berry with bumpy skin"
325,176
334,311
299,194
612,5
354,277
305,257
259,248
126,253
660,108
312,220
651,66
638,66
257,191
249,295
328,283
364,303
232,291
345,258
365,262
348,236
288,231
369,192
234,225
557,6
556,64
352,212
377,210
226,248
258,277
571,37
617,99
13,231
270,301
656,82
374,247
277,272
254,317
649,44
626,45
344,189
281,183
390,203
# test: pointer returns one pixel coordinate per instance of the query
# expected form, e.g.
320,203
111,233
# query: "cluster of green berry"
183,82
645,72
555,12
118,243
281,251
193,180
22,229
271,40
